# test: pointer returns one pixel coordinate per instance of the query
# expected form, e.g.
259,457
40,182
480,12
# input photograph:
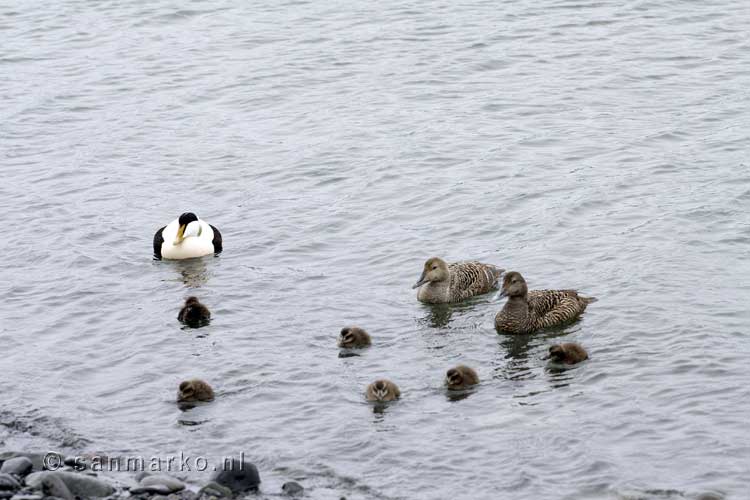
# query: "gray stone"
20,466
80,485
292,488
55,487
214,490
8,482
159,483
22,496
238,477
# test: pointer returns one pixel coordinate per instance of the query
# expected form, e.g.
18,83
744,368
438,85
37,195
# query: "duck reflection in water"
438,315
193,272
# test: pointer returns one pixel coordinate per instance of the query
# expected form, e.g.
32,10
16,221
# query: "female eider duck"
382,391
527,312
442,283
568,353
460,377
187,237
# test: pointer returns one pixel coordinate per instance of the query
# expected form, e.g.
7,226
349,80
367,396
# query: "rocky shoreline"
26,476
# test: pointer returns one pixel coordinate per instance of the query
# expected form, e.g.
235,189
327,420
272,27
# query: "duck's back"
472,278
556,307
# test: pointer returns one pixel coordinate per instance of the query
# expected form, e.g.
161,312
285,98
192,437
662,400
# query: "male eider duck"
194,390
193,313
442,283
568,353
382,391
460,377
526,312
187,237
353,337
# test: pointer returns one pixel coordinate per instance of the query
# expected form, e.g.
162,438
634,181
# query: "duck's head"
348,336
188,226
556,353
514,285
435,270
186,391
454,378
381,390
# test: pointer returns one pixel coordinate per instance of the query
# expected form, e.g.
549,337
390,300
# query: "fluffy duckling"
461,377
353,337
382,391
526,312
187,237
194,390
442,283
193,313
568,353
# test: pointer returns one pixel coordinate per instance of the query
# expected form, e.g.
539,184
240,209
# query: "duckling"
442,283
193,313
526,312
194,390
382,391
353,337
461,377
568,353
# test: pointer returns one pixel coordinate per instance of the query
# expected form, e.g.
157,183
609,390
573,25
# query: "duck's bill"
180,235
502,294
422,281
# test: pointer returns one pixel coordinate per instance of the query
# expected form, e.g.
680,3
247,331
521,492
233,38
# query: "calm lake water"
593,145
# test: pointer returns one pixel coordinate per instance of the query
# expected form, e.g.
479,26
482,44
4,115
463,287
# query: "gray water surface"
337,145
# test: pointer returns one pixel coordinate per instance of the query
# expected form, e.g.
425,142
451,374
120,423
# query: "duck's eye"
434,267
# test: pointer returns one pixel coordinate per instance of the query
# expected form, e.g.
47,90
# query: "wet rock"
37,459
238,476
8,482
158,483
292,488
79,484
26,496
19,466
214,490
53,486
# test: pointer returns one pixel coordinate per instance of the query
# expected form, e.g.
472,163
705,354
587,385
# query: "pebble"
292,488
79,484
214,490
53,486
8,482
159,483
239,477
20,466
21,496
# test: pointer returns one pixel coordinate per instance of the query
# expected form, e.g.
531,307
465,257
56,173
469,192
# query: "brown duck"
460,377
194,390
526,312
382,391
193,313
353,337
568,353
443,283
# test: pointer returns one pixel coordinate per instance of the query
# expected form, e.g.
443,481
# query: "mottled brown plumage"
460,377
568,353
353,337
193,313
442,283
382,391
526,312
194,390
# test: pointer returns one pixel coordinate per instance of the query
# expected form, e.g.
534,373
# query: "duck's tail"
588,300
